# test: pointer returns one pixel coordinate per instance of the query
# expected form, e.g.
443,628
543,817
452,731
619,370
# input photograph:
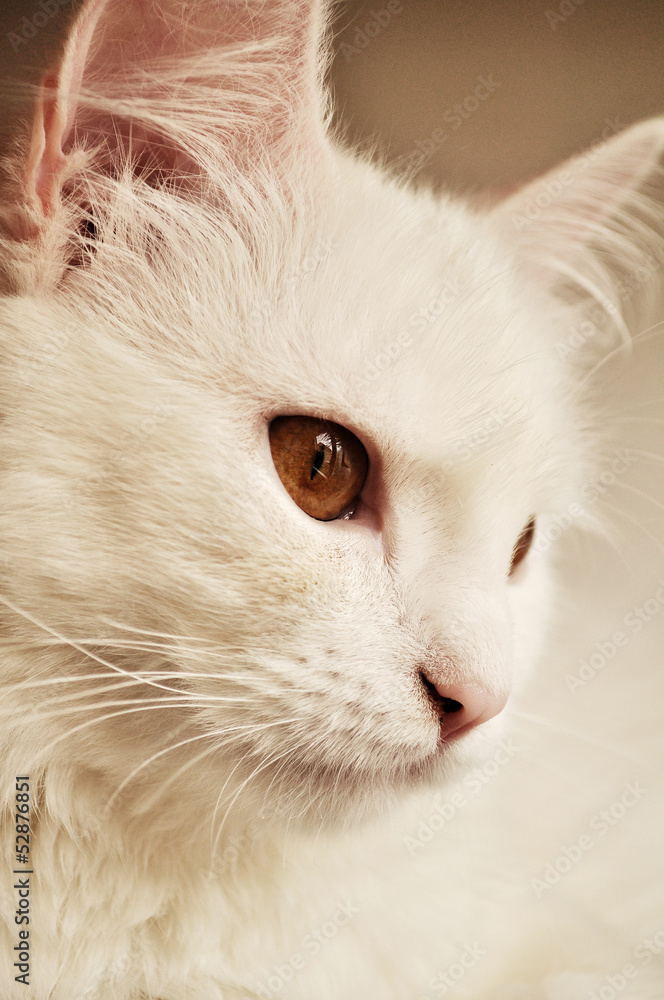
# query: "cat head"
280,434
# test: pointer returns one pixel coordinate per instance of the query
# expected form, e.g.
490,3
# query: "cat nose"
462,707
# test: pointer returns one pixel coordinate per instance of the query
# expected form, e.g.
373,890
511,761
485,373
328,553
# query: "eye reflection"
322,465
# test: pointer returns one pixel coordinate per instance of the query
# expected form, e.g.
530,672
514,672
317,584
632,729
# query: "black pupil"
318,461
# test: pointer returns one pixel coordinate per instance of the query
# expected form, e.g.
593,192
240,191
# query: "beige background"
560,80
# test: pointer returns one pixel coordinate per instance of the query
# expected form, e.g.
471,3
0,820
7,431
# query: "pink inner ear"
276,104
55,110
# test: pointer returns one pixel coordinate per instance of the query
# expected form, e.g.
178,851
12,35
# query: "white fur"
217,697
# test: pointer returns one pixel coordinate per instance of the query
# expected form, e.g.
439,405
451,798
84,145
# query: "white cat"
288,449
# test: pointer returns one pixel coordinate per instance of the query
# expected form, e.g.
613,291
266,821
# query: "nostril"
444,705
461,707
439,701
450,705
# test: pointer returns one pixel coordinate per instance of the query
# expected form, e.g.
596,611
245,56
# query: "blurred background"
559,74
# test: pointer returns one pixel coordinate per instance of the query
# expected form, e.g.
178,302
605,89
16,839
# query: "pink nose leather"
462,707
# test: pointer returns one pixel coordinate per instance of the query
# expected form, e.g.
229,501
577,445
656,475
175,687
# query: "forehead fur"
358,310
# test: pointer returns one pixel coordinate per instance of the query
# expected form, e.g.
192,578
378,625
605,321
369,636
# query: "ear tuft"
595,222
589,195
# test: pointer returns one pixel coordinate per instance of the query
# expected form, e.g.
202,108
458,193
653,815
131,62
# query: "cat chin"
336,799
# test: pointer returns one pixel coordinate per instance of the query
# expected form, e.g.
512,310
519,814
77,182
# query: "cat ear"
591,208
55,110
247,72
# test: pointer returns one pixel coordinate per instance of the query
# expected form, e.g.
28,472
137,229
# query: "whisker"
219,799
93,722
637,524
144,631
146,763
214,734
98,689
637,338
641,493
72,644
166,783
595,741
257,770
144,677
40,716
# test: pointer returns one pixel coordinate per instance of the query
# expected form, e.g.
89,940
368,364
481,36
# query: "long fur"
237,790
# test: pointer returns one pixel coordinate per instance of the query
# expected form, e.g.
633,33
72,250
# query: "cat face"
152,546
318,641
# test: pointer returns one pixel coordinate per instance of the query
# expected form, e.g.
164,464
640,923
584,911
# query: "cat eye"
523,543
321,464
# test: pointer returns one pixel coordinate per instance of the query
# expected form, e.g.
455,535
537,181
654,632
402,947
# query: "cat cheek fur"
219,668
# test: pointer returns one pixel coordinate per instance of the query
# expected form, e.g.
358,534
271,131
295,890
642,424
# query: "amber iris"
523,543
321,464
